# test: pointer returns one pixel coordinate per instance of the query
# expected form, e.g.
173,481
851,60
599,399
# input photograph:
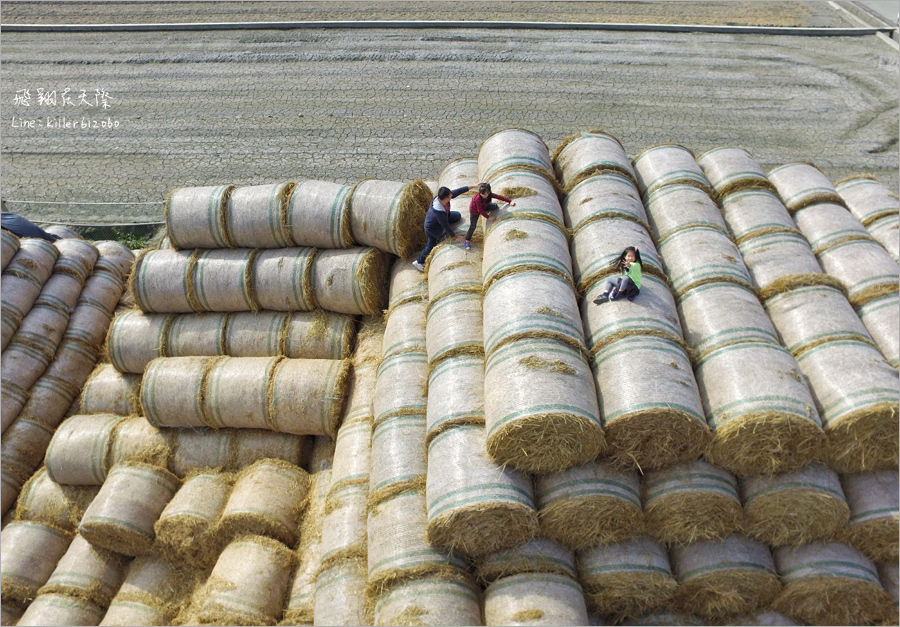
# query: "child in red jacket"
480,205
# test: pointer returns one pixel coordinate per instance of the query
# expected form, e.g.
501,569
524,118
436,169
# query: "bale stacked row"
876,207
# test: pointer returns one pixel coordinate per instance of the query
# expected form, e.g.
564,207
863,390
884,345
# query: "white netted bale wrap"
655,419
607,195
352,453
589,505
54,392
13,400
109,391
511,311
888,573
34,260
22,281
135,439
455,394
430,601
829,584
587,154
199,448
405,329
759,408
115,258
76,258
886,232
677,207
77,454
856,395
668,164
750,213
351,281
535,599
195,335
150,593
135,339
696,256
690,502
782,261
519,244
406,284
513,148
452,268
340,594
61,609
873,529
474,506
802,184
867,198
248,446
369,342
826,224
45,501
387,215
316,335
195,217
31,551
256,216
459,172
344,525
719,314
18,297
398,545
23,364
171,391
730,169
794,508
162,281
400,387
880,317
307,395
541,408
60,291
230,597
808,316
534,194
454,327
536,556
122,515
86,572
399,456
627,579
597,246
360,394
221,280
863,268
9,246
282,279
185,527
717,578
319,215
23,448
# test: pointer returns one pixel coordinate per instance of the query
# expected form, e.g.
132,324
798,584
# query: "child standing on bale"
480,205
627,286
438,220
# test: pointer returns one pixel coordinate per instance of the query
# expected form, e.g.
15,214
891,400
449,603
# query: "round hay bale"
681,206
306,396
361,392
88,324
34,261
759,408
50,399
340,594
889,576
369,341
231,597
429,601
10,484
535,195
652,312
730,169
248,446
452,399
162,281
399,456
185,528
109,391
794,508
668,164
319,215
716,578
23,448
520,244
864,269
199,448
172,391
541,408
400,387
41,330
535,599
887,233
281,279
512,313
199,335
405,329
589,505
11,613
267,499
122,515
597,246
827,583
23,364
880,318
135,339
115,258
406,284
751,213
321,454
588,154
811,315
874,526
387,215
513,148
474,506
149,595
45,501
826,224
236,393
398,547
350,281
257,216
76,258
316,335
87,573
103,291
60,291
535,556
451,268
627,579
867,199
13,400
653,420
19,295
802,184
31,551
61,609
856,395
690,502
454,327
779,262
77,454
459,172
602,196
9,246
352,453
196,217
220,280
73,364
697,256
135,439
344,525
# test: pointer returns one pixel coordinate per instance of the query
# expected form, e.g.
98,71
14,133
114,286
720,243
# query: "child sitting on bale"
627,286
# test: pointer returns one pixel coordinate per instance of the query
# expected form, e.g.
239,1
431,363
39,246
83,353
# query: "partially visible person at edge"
22,227
480,205
438,220
627,286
